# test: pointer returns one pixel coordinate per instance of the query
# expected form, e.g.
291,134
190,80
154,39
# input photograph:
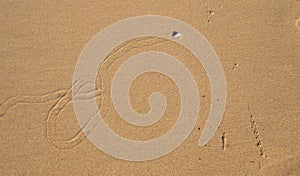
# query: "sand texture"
257,42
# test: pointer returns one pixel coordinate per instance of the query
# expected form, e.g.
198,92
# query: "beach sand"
257,42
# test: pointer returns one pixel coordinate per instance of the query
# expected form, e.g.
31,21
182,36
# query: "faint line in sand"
119,52
63,98
104,42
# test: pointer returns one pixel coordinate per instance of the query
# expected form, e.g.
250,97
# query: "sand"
257,42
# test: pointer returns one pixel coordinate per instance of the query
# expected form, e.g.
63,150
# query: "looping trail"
62,98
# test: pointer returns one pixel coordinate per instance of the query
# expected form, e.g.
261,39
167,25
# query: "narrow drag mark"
53,115
62,98
131,45
30,99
